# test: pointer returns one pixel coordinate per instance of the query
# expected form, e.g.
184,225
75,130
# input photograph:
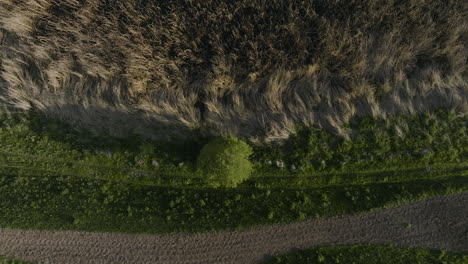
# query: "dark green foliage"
4,260
224,162
369,254
99,205
429,141
404,141
58,180
39,146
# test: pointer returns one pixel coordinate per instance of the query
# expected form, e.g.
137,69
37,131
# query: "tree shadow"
134,130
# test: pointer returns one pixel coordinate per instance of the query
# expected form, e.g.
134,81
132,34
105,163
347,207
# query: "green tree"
224,162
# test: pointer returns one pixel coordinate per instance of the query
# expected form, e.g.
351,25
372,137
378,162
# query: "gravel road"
436,223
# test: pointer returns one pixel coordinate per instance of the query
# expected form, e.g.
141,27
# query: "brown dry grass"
247,68
435,223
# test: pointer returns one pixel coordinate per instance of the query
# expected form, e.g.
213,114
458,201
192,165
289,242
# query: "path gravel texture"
435,223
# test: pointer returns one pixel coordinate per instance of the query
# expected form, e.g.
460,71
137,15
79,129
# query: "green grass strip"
368,254
5,260
31,165
70,203
53,177
433,140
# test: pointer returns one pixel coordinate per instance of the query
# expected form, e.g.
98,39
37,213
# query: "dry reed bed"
247,68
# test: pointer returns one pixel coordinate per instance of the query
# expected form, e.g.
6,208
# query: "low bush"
224,162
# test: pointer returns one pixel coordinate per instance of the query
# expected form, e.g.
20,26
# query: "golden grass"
246,68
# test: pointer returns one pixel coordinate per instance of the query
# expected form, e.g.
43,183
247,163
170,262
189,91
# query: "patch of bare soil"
435,223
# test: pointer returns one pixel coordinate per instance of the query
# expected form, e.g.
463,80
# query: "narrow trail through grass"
33,165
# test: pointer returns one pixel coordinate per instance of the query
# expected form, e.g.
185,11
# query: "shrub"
224,162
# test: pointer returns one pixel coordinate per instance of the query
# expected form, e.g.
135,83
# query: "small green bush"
224,162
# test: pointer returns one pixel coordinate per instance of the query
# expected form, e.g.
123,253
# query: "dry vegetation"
250,68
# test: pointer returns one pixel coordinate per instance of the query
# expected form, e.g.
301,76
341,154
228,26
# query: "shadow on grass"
133,125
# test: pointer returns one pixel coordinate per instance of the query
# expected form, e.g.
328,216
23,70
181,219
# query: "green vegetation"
400,142
55,177
67,202
430,146
332,107
224,162
369,254
5,260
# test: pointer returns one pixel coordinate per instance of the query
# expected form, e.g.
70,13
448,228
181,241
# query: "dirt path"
436,223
